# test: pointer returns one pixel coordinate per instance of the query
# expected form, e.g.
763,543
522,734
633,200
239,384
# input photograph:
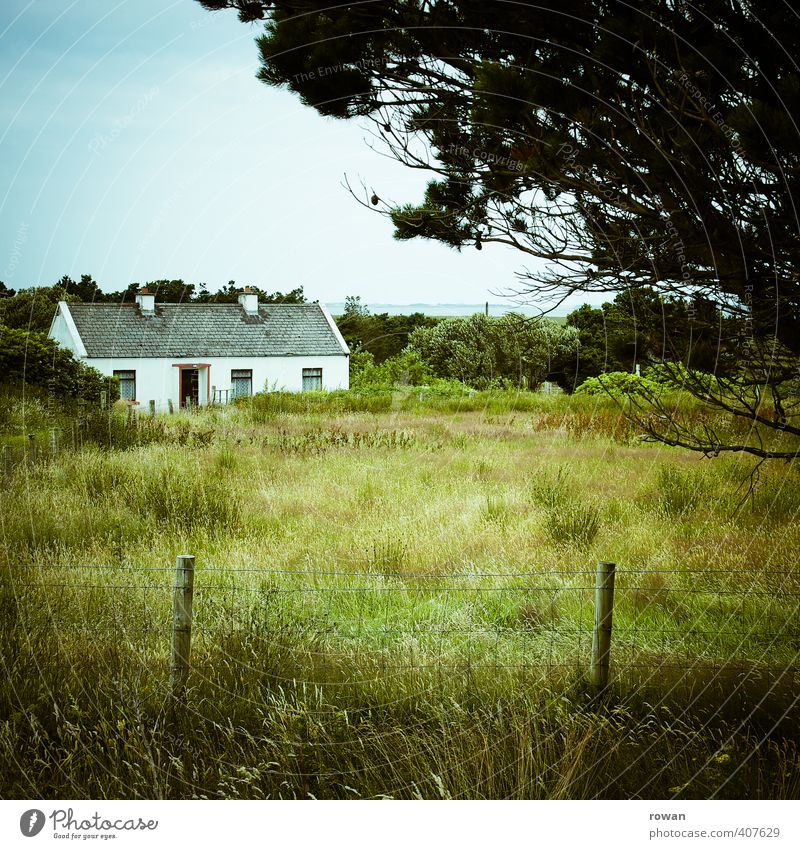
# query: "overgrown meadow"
394,598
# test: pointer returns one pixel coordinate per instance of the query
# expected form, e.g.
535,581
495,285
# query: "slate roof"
205,330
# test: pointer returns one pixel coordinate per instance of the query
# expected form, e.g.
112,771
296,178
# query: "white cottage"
197,353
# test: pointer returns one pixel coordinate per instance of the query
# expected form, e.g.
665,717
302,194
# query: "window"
241,382
312,378
127,385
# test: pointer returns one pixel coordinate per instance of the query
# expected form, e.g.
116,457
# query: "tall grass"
278,708
349,641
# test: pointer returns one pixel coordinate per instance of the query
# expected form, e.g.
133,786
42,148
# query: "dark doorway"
190,386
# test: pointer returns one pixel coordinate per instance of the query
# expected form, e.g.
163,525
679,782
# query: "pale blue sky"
136,144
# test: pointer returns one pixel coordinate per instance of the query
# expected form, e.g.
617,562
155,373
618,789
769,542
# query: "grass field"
394,598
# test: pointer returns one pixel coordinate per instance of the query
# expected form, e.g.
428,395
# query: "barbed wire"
589,570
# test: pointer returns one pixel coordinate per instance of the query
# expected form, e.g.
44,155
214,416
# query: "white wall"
157,378
65,333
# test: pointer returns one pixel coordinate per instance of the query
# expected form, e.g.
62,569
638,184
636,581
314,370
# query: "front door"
190,386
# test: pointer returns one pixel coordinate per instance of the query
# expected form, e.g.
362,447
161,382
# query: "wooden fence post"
187,403
181,622
603,612
53,443
152,409
170,407
103,399
213,395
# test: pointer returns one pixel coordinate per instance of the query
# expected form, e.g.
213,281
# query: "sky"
136,144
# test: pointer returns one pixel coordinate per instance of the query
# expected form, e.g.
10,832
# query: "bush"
618,384
675,376
29,358
488,352
407,369
551,490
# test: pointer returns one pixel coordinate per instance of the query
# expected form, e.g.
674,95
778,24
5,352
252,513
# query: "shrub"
31,358
618,384
486,352
676,376
407,369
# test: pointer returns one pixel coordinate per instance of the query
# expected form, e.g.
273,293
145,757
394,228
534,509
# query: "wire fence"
342,627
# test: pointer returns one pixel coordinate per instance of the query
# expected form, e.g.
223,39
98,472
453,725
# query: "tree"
628,145
641,328
87,290
33,309
31,358
229,294
384,336
483,351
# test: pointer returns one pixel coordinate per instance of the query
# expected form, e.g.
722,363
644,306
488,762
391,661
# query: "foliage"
676,376
32,309
405,369
617,384
641,326
33,358
625,149
381,335
482,351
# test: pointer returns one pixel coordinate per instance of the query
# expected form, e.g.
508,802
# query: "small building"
196,353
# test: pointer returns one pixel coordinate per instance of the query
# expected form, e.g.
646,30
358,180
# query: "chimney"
249,300
145,301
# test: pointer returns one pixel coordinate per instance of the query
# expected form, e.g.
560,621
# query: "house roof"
206,330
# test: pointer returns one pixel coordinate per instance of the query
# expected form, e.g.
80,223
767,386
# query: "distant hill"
444,310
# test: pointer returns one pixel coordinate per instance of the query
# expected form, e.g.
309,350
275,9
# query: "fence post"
603,612
103,399
53,443
213,395
152,409
170,407
181,622
187,403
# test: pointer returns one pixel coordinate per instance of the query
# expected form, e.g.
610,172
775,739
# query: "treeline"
33,308
638,328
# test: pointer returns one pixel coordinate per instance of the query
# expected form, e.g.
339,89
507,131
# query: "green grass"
415,610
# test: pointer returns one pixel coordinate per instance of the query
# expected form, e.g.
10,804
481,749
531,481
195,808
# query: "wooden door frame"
181,367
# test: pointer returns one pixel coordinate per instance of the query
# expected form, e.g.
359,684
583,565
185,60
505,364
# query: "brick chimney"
249,301
145,301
